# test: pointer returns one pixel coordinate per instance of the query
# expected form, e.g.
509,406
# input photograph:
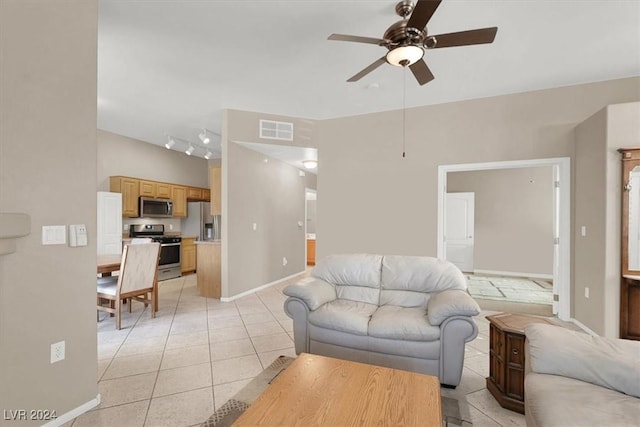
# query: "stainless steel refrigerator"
200,223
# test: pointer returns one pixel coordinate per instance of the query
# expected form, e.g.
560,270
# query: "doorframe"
562,217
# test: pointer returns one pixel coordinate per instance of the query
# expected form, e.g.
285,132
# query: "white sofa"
403,312
575,379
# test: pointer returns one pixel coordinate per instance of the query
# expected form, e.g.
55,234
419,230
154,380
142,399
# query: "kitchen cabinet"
163,190
506,358
179,198
194,194
215,185
148,188
206,195
188,255
311,251
209,270
130,190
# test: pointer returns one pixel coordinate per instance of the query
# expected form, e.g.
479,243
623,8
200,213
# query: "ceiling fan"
406,40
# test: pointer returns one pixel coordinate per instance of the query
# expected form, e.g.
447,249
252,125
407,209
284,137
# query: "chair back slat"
139,267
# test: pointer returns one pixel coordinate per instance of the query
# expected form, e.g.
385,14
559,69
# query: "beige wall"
48,89
513,218
373,200
271,195
120,155
597,206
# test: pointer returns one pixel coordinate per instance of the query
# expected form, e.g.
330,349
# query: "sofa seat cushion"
402,323
556,401
344,315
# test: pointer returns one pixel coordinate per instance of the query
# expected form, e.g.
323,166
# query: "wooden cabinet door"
179,198
215,184
163,190
206,195
130,190
194,193
188,255
148,188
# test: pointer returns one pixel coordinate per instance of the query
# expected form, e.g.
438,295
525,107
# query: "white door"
459,229
109,233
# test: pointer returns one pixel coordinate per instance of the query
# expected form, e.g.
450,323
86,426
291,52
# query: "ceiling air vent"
270,129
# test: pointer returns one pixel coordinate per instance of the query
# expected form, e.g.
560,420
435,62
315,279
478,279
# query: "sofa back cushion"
408,281
356,276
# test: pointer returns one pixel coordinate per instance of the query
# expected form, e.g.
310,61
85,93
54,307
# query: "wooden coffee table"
318,390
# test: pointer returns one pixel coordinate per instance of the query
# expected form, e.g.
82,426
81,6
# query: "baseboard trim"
74,413
515,274
259,288
582,326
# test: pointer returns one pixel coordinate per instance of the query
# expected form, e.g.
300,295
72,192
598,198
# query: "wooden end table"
506,358
318,390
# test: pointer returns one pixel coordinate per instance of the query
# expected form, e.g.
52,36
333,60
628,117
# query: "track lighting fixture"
204,137
189,151
208,155
170,142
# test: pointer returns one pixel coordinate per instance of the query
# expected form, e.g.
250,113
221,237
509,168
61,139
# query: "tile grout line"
153,389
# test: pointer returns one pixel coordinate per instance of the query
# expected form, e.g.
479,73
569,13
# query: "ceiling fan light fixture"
403,56
310,164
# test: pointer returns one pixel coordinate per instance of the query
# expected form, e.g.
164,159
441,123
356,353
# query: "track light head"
204,137
170,142
189,151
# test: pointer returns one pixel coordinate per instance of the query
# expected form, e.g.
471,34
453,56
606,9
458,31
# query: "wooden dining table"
107,264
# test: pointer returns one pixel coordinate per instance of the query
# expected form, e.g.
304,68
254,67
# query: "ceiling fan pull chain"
404,109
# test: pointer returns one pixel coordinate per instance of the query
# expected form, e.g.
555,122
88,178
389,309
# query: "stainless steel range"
169,264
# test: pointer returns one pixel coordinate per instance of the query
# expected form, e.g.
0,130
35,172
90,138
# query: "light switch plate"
54,234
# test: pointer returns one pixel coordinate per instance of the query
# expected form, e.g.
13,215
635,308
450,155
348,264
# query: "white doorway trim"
562,218
313,193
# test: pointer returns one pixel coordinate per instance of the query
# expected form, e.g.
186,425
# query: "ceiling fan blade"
422,12
421,72
465,38
357,39
367,70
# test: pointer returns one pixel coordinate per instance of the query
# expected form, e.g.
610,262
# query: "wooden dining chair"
137,280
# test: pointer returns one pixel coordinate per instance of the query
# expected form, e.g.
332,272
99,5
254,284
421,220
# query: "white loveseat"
403,312
575,379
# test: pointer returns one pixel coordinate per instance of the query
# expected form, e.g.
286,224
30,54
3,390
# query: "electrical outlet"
57,352
284,261
586,292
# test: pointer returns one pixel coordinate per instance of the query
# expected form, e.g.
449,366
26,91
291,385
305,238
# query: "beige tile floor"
174,370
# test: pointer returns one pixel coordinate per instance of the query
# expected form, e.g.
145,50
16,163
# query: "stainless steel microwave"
158,208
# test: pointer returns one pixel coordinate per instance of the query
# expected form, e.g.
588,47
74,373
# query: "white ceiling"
169,67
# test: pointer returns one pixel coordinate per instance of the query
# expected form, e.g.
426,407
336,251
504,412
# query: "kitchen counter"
209,274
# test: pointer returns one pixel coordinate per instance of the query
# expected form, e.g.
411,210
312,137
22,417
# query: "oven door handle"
170,244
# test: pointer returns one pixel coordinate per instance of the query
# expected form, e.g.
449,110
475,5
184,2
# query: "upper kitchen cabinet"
130,189
179,198
194,193
163,190
160,190
206,195
215,184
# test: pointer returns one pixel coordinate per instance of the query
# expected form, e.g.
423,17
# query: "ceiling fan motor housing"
400,35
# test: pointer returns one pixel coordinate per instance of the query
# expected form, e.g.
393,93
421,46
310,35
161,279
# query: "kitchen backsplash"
171,225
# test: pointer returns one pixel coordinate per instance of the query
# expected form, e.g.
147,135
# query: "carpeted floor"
455,410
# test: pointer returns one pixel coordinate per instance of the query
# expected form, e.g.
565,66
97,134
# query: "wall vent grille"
271,129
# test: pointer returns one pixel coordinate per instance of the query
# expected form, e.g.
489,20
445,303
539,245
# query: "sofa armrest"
449,303
314,292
